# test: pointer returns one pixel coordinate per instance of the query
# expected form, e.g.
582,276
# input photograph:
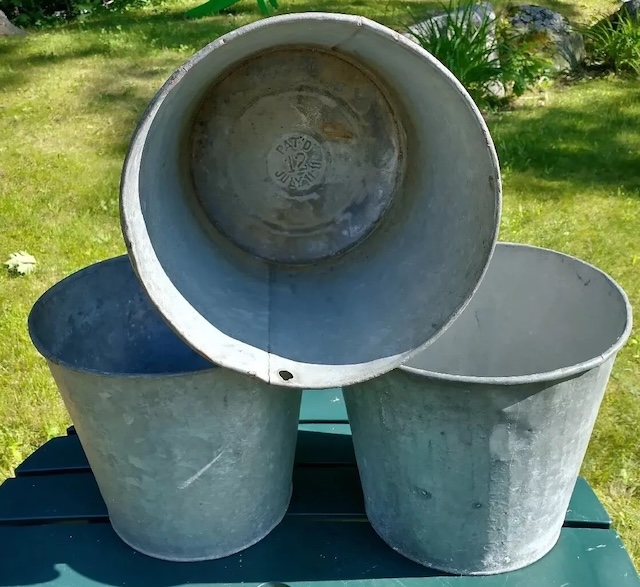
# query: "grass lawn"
70,98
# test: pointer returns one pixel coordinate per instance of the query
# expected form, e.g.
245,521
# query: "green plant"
219,6
464,43
524,57
486,56
39,12
614,44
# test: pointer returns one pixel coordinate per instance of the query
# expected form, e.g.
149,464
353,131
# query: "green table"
54,530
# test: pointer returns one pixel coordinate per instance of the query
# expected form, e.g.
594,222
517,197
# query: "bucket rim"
52,358
141,249
545,376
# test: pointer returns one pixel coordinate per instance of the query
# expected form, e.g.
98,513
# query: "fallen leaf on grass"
20,263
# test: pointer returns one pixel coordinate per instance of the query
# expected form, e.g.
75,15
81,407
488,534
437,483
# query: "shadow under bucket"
193,461
468,454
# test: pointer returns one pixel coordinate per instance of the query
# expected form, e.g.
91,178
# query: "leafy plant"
614,44
484,53
36,13
464,44
217,6
524,58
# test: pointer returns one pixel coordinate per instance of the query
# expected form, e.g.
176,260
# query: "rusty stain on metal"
337,131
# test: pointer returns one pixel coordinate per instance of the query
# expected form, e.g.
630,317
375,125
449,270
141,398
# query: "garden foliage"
491,60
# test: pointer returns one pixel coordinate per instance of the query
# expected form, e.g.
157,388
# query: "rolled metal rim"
555,374
168,299
51,357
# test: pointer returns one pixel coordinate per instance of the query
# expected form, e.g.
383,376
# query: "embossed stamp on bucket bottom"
296,154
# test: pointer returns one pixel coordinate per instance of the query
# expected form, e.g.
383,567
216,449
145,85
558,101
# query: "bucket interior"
100,319
323,226
536,311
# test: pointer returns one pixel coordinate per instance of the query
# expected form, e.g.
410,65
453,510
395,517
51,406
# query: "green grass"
69,100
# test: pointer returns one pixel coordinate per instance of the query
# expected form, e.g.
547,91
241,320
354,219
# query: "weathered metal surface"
296,154
311,199
318,444
193,461
468,454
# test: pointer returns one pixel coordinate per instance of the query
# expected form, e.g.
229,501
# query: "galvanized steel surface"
296,154
469,454
390,164
540,315
193,461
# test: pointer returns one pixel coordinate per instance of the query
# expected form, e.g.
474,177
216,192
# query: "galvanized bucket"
193,461
332,192
469,453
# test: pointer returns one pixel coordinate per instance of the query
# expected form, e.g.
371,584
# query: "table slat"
585,509
300,552
323,405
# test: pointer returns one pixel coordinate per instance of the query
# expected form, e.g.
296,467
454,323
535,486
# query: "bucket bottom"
490,566
214,552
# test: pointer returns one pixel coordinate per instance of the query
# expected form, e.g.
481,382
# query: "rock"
569,44
628,9
7,28
480,11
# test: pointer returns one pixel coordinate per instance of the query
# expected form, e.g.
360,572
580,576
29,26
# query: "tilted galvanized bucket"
332,192
469,453
193,461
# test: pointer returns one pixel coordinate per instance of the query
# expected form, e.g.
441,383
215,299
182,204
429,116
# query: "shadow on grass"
136,37
171,29
11,75
590,142
138,33
128,55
